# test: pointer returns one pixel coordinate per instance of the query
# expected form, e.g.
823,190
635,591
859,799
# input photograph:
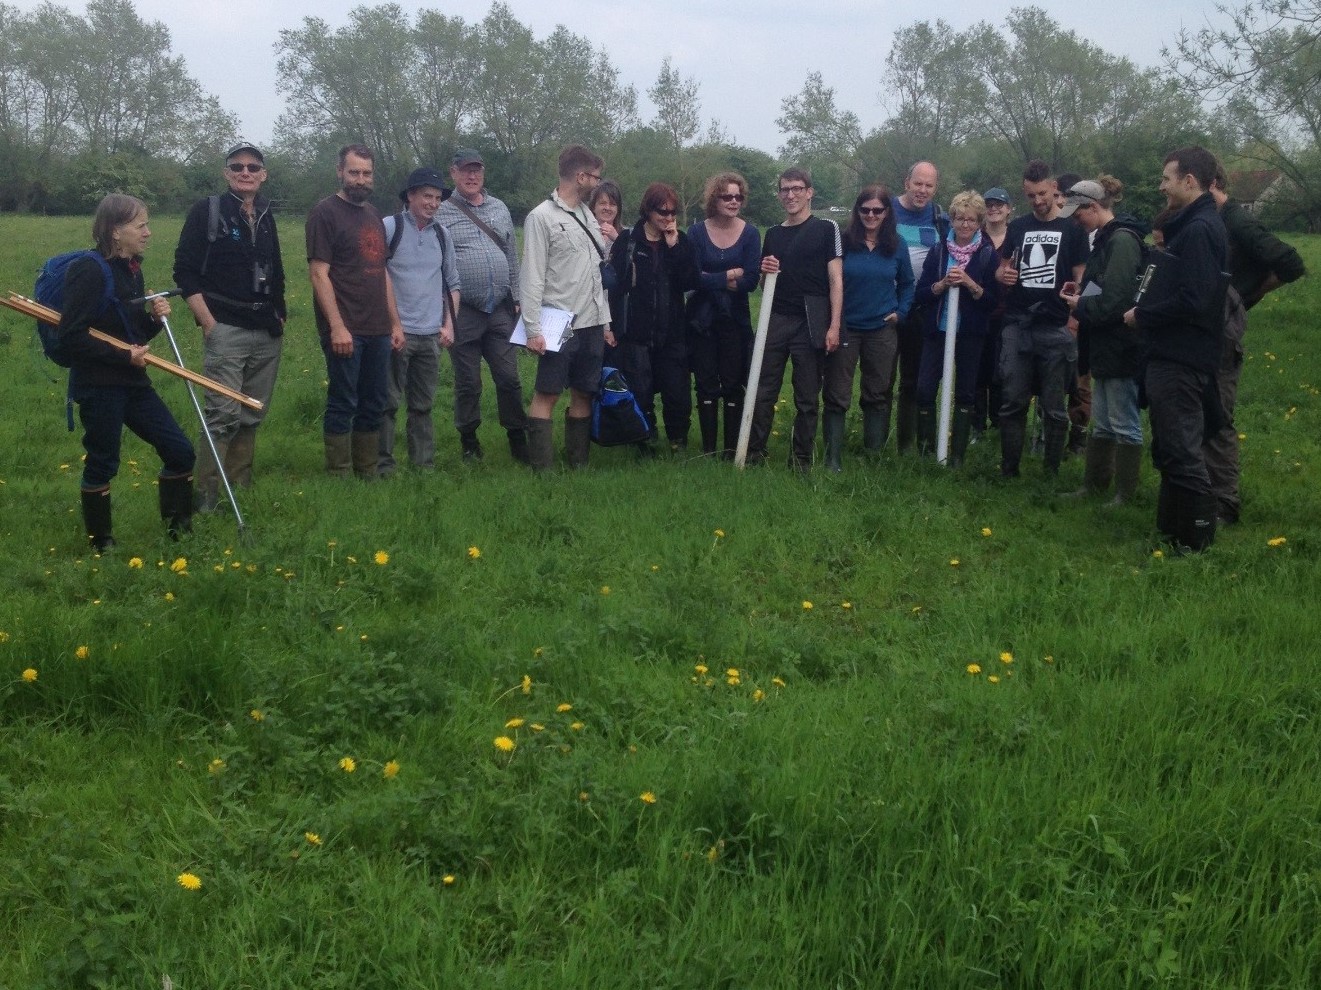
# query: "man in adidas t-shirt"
1041,251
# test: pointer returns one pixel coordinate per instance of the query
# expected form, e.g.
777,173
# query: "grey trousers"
414,372
479,336
247,361
787,339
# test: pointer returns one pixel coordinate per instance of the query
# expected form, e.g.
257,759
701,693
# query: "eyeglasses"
792,190
967,221
666,213
238,168
731,197
871,211
592,175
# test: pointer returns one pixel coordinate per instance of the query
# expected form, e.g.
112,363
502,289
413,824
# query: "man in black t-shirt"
1041,252
808,256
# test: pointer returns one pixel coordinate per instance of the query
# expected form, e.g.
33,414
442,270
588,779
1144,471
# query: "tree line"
94,103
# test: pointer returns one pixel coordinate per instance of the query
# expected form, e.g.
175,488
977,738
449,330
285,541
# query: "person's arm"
1251,239
905,285
925,293
511,255
188,257
532,279
749,260
1122,257
277,275
323,291
835,273
396,327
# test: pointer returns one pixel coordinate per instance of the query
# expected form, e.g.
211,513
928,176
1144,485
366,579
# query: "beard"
357,194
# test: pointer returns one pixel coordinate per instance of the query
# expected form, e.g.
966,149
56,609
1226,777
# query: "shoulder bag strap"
484,227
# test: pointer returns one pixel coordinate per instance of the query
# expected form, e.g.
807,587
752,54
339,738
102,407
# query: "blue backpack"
49,291
616,416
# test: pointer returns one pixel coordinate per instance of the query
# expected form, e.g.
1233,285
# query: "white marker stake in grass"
947,375
754,372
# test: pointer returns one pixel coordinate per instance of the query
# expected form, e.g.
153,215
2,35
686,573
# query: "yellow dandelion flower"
577,726
993,679
778,681
564,706
584,796
605,589
381,558
655,567
391,770
448,879
758,695
701,669
846,606
1276,541
1006,657
82,653
712,854
1048,658
974,668
720,534
189,881
30,674
215,766
537,727
219,568
169,596
4,636
733,681
135,563
473,553
514,723
986,531
312,838
527,684
504,744
1158,554
251,568
807,606
647,797
731,672
257,715
916,608
348,764
180,565
954,562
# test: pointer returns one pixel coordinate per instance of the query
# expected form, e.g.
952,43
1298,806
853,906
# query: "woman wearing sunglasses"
719,323
656,266
878,292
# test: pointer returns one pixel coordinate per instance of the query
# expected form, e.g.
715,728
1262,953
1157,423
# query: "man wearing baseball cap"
228,267
420,259
484,248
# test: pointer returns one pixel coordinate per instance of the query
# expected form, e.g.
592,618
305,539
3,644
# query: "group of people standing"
1042,300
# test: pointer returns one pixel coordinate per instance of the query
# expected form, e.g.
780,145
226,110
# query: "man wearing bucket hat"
426,292
483,235
227,266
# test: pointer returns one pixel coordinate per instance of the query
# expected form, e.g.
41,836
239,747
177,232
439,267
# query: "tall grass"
902,727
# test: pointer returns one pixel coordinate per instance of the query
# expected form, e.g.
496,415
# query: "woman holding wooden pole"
110,385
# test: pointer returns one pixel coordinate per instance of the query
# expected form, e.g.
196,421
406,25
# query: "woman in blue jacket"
966,259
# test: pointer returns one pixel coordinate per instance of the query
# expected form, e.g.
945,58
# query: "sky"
746,57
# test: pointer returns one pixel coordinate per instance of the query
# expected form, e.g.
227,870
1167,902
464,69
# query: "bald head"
920,185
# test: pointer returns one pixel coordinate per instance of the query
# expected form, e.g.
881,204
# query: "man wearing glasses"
483,235
562,254
808,255
227,265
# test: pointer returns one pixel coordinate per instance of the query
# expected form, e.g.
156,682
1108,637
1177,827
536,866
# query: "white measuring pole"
754,372
947,374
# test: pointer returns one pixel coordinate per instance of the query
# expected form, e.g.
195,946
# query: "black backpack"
616,416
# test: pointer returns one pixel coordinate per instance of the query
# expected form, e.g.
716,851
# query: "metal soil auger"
29,307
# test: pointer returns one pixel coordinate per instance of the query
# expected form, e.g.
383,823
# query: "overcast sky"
745,57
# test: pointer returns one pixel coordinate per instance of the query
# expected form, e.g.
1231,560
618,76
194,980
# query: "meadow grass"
896,728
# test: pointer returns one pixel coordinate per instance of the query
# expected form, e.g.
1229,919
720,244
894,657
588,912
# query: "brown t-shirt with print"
351,239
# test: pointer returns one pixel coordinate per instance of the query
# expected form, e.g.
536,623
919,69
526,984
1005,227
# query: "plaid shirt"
488,275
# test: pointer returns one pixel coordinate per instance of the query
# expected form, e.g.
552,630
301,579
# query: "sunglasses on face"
731,197
871,211
666,213
238,168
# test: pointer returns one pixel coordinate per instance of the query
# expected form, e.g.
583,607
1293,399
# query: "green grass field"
656,725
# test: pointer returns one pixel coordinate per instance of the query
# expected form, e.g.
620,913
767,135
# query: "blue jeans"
1115,414
358,386
105,410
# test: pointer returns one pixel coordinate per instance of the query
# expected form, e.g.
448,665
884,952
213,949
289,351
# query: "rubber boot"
1052,453
540,445
207,474
1013,431
176,501
518,445
733,423
832,428
926,430
96,519
339,454
1098,467
1128,471
472,447
875,428
238,460
906,424
708,423
577,440
1167,511
960,431
1196,519
366,454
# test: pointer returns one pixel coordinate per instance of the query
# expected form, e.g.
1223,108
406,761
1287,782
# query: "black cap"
425,177
467,156
247,146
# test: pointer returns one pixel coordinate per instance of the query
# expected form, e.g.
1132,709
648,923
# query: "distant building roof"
1249,187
